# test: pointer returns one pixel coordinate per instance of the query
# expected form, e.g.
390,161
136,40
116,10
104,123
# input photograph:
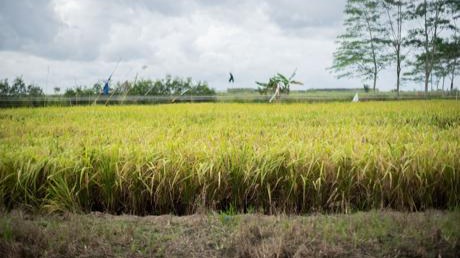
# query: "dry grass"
370,234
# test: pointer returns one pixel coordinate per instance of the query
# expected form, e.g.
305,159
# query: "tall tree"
453,7
57,90
361,51
34,91
396,15
18,88
432,14
448,59
4,88
441,67
451,55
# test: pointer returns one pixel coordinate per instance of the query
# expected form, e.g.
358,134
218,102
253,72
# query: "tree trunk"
397,39
443,80
453,76
452,84
438,80
374,58
431,84
375,82
398,72
429,59
427,80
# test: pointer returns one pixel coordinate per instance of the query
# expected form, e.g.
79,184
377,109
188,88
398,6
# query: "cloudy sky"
78,42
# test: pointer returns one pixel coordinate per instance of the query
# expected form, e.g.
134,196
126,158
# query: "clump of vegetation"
366,88
180,158
168,86
279,79
19,89
160,87
278,84
241,90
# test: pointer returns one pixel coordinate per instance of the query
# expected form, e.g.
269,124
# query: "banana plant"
279,84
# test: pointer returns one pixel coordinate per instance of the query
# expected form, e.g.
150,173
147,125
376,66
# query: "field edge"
374,233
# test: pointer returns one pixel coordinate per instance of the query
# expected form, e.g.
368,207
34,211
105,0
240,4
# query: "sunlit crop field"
181,158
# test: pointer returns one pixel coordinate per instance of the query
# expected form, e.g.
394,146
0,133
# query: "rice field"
183,158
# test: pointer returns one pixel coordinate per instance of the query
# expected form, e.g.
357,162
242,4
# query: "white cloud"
81,41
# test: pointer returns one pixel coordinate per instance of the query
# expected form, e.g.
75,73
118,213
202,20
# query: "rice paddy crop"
294,158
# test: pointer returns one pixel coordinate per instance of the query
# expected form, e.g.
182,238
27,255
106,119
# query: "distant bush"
241,90
83,91
161,87
366,88
19,89
165,87
336,89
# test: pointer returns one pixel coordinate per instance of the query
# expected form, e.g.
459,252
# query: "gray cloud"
25,24
81,40
301,14
85,30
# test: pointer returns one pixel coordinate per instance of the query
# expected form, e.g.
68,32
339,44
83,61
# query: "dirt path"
363,234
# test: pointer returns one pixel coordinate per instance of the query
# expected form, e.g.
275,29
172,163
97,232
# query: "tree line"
418,39
144,87
18,88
